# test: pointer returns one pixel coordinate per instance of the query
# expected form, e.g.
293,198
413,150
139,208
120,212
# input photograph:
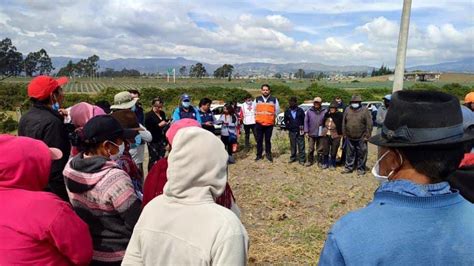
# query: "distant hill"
154,65
462,66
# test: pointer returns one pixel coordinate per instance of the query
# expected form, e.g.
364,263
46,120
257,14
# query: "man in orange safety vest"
267,107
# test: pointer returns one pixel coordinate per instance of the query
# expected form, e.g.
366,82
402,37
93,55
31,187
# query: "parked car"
280,119
373,107
217,110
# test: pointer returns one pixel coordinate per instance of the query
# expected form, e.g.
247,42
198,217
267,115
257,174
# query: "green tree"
198,71
10,59
224,71
45,66
31,63
277,75
67,70
182,71
300,73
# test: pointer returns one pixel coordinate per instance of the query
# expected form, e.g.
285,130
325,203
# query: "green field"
87,85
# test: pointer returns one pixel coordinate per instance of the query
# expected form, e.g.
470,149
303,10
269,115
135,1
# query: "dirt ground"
288,209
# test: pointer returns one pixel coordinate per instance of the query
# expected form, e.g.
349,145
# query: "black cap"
101,128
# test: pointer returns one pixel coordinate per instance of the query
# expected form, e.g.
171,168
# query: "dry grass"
288,209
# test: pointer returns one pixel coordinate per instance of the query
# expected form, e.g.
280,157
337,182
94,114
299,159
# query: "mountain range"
154,65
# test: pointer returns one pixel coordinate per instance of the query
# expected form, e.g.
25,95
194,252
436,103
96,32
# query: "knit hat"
41,87
182,123
123,100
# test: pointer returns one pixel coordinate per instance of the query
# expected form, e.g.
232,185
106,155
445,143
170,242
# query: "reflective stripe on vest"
265,114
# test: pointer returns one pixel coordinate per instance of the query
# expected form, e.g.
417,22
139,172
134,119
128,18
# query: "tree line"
13,63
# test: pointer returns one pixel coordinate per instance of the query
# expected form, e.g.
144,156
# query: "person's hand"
162,123
208,123
63,112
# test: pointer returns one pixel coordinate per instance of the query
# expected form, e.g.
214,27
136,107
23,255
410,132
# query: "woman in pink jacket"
36,227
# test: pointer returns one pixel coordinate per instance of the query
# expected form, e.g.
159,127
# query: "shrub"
7,123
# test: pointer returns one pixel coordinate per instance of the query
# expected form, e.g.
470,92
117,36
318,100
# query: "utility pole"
174,75
402,47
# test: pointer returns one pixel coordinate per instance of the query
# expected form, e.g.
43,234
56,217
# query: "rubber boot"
325,162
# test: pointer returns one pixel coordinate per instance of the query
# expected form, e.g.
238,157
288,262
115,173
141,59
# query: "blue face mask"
186,104
134,108
138,141
55,106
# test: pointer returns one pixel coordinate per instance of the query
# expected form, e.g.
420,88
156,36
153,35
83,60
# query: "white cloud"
149,28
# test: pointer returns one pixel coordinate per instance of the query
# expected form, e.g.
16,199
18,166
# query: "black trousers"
156,151
297,144
356,154
247,129
264,132
227,144
331,146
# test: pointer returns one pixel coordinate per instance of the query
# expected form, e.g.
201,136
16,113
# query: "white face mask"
355,105
114,157
376,169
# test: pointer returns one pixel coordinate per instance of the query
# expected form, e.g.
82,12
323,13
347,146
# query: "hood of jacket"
197,166
25,163
82,174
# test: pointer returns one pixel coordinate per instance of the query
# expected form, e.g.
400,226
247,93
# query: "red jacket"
36,228
157,178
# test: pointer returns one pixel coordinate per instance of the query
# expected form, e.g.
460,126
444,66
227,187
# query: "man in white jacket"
184,226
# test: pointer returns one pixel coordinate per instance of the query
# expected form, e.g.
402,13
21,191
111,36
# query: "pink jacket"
36,228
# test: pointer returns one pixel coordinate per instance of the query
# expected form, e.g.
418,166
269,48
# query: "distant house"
422,76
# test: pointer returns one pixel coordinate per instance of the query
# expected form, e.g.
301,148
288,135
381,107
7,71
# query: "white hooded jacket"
184,226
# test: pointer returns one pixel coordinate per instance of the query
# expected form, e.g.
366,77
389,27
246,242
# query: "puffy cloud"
240,33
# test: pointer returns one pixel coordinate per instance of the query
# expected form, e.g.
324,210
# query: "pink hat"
175,127
83,112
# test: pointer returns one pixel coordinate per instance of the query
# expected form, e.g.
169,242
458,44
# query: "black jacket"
463,180
336,118
47,125
294,124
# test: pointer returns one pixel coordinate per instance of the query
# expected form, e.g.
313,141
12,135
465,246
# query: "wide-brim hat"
422,118
356,98
123,100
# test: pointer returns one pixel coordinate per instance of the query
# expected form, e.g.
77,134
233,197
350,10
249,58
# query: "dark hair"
78,140
230,108
204,101
437,162
293,100
134,91
105,105
157,99
265,85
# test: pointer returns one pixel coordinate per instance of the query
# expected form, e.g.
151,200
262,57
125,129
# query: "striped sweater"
103,196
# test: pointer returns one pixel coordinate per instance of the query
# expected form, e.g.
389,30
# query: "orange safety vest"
265,114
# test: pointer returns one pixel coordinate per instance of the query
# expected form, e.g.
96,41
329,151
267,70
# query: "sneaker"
360,172
346,171
270,159
231,160
258,158
301,163
292,161
308,164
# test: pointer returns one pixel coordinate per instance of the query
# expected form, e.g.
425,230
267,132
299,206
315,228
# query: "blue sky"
337,32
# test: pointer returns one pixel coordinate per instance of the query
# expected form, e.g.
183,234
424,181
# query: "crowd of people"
74,191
